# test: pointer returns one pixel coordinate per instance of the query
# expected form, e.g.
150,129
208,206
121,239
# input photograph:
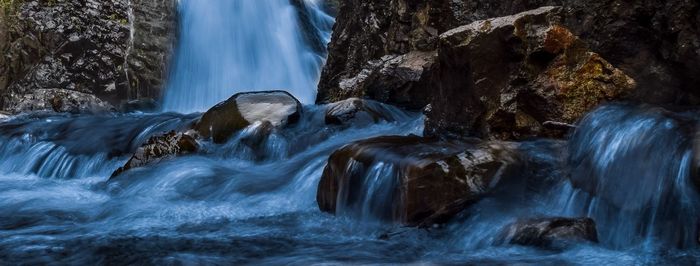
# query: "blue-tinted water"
229,46
223,207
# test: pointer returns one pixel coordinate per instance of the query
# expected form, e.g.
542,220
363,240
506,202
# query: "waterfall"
230,46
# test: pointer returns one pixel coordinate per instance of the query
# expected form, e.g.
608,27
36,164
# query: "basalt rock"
241,110
159,148
356,111
412,180
551,232
85,46
504,78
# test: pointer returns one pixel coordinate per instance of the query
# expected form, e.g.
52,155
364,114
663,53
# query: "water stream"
628,167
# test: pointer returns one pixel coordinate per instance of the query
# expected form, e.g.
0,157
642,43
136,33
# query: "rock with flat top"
243,109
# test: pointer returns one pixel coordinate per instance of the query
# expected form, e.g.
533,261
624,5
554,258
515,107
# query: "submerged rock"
412,180
356,111
61,101
551,232
159,148
241,110
516,73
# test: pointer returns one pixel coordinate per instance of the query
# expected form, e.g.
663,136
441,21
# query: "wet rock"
551,232
62,101
85,46
516,73
241,110
425,181
154,29
356,111
402,80
159,148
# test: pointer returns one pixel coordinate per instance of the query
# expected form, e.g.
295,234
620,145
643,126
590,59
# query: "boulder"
57,100
551,232
243,109
159,148
356,111
515,74
412,180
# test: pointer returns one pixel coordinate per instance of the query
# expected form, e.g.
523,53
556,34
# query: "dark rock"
514,74
429,183
402,80
551,232
62,101
85,46
159,148
366,32
154,30
241,110
656,42
356,111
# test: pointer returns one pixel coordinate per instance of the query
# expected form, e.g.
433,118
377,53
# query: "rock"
551,232
412,180
656,42
159,148
356,111
154,30
372,38
85,46
62,101
514,74
402,80
241,110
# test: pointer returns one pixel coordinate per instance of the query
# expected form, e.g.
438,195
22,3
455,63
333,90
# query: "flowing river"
628,167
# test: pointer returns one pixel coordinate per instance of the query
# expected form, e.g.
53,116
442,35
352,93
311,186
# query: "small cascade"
230,46
630,170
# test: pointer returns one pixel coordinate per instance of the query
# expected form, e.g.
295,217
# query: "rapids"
228,204
628,167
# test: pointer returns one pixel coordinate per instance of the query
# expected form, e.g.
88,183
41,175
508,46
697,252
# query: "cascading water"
627,167
229,46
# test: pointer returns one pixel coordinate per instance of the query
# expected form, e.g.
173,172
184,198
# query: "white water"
230,46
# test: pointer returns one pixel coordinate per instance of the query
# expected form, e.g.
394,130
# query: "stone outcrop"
427,181
243,109
551,232
92,47
367,35
656,42
159,148
503,78
57,100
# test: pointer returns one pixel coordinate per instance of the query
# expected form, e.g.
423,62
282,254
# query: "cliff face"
657,43
115,50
